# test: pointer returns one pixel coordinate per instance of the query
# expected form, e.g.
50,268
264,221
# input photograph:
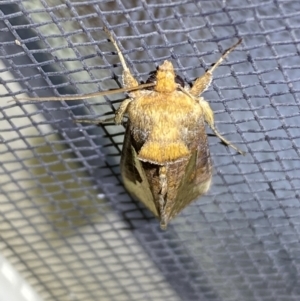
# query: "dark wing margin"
134,178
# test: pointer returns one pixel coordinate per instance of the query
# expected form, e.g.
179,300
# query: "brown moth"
165,160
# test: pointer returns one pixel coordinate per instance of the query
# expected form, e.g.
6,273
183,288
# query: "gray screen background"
67,224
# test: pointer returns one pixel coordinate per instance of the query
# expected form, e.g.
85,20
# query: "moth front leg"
203,82
209,119
128,80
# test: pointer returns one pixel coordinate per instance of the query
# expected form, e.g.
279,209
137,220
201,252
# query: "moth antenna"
86,96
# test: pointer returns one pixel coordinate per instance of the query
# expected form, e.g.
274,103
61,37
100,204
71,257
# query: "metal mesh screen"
66,222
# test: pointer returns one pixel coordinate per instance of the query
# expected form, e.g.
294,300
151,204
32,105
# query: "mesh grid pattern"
66,222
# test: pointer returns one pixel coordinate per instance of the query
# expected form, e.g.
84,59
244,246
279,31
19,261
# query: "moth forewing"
195,180
134,174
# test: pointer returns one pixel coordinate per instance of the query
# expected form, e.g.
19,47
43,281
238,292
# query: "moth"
165,161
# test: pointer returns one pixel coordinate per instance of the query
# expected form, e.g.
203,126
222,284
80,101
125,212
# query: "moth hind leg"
162,197
209,119
163,217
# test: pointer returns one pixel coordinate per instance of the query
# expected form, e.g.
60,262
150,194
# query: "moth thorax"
165,78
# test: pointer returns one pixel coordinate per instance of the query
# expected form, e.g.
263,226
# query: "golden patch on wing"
160,153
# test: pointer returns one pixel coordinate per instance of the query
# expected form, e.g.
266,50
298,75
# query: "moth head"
152,79
165,78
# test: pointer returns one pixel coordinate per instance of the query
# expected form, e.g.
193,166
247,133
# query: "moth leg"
97,122
118,116
209,119
128,80
163,217
203,82
122,110
162,197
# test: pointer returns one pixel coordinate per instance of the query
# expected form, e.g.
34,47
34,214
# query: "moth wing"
196,180
134,178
